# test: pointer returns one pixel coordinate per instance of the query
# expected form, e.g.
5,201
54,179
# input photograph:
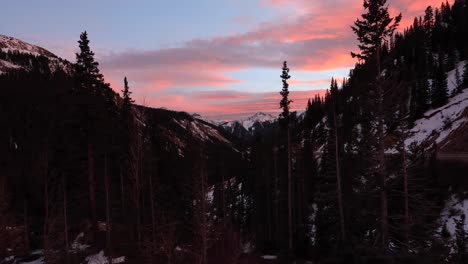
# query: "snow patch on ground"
269,257
77,245
100,258
451,76
202,131
247,248
452,211
440,122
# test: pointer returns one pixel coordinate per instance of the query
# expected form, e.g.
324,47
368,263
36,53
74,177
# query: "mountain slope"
16,54
10,44
244,129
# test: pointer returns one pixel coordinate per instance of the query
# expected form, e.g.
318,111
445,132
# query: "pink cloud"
229,103
314,36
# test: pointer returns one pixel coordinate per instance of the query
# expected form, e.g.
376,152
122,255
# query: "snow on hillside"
258,117
9,44
100,258
6,65
454,208
198,129
248,122
451,76
438,124
13,44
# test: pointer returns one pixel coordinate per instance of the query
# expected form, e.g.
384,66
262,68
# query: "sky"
218,58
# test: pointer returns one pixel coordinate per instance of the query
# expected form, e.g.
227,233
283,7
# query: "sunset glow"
200,65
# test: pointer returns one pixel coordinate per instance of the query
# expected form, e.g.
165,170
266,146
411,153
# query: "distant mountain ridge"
245,128
15,54
13,44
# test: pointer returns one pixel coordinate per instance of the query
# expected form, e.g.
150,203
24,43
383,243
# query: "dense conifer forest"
369,173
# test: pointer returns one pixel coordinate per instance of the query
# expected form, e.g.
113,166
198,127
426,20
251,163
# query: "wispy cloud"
312,36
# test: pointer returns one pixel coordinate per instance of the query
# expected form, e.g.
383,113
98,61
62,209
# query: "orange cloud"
229,103
312,36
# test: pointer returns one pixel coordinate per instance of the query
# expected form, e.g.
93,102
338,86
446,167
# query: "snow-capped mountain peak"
259,117
15,45
10,45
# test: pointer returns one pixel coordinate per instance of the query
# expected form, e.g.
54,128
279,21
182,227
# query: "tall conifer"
375,26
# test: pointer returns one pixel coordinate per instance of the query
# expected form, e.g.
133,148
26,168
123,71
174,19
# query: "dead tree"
338,176
65,218
276,195
135,170
45,171
201,209
108,219
26,225
290,194
92,190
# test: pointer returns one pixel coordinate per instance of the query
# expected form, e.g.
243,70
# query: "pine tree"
334,143
285,119
86,68
465,74
285,102
377,25
458,80
428,21
460,240
439,86
127,100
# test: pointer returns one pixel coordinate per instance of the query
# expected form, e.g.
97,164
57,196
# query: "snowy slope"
257,118
451,76
438,124
6,65
249,122
179,130
16,45
9,44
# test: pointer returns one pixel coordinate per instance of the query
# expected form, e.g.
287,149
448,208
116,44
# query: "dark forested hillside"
373,172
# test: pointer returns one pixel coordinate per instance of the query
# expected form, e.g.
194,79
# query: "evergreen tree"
419,99
465,74
86,68
460,240
285,118
429,20
375,26
285,102
439,86
127,100
458,80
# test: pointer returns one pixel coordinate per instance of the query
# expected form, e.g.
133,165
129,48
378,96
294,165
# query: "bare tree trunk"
201,210
108,220
65,218
381,157
406,198
153,217
275,165
290,220
223,198
92,190
338,181
122,195
46,215
26,225
138,214
204,226
268,204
